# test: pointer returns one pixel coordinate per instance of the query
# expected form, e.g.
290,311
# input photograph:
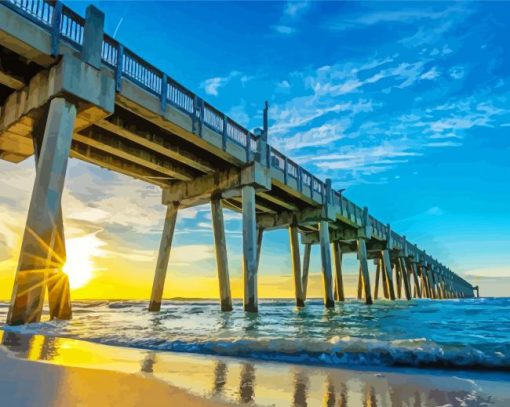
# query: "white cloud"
443,144
212,85
430,74
284,29
316,136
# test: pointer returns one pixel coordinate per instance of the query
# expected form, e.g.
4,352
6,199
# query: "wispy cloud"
213,85
292,13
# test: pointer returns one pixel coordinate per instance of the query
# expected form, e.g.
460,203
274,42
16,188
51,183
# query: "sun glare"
79,264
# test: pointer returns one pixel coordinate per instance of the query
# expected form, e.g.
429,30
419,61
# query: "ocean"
470,334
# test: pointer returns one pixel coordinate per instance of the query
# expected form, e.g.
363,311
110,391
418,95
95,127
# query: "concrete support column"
387,273
432,282
260,236
401,263
163,256
59,294
249,249
296,265
377,278
363,263
417,286
220,245
306,267
424,281
45,205
329,298
398,278
339,283
384,280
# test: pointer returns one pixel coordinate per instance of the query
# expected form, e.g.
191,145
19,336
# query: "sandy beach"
43,371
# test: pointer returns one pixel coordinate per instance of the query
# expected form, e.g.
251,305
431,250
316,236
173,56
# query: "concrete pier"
329,298
40,230
249,249
163,256
220,245
97,101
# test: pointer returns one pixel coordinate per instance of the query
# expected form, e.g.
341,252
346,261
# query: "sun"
79,265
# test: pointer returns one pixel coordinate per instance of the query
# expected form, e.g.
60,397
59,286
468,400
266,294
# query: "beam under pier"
249,249
163,256
362,258
296,264
220,246
45,205
329,298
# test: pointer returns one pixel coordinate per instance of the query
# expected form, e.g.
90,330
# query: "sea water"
462,333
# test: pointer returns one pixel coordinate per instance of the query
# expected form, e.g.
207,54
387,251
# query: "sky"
405,105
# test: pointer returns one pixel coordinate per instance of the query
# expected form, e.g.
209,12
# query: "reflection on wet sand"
241,381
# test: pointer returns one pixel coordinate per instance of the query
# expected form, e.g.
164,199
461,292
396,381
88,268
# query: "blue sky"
404,104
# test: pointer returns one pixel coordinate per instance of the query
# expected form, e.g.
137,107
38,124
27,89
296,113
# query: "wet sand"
44,371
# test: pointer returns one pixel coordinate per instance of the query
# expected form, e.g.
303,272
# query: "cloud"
212,85
284,29
365,160
317,136
443,144
369,18
291,15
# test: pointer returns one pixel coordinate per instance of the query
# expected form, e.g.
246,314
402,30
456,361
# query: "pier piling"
363,263
36,254
296,264
220,246
329,298
249,249
163,256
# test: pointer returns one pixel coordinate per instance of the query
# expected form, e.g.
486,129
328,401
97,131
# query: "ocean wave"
339,351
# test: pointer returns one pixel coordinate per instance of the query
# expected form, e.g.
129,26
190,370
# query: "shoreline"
198,379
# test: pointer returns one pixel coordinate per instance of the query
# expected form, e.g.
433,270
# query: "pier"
67,89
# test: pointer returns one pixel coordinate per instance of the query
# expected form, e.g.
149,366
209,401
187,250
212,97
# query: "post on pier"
363,264
249,249
44,210
384,280
329,298
424,280
59,296
398,277
339,284
306,267
93,37
387,272
377,277
364,233
163,256
416,279
360,283
220,245
401,264
296,263
432,281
